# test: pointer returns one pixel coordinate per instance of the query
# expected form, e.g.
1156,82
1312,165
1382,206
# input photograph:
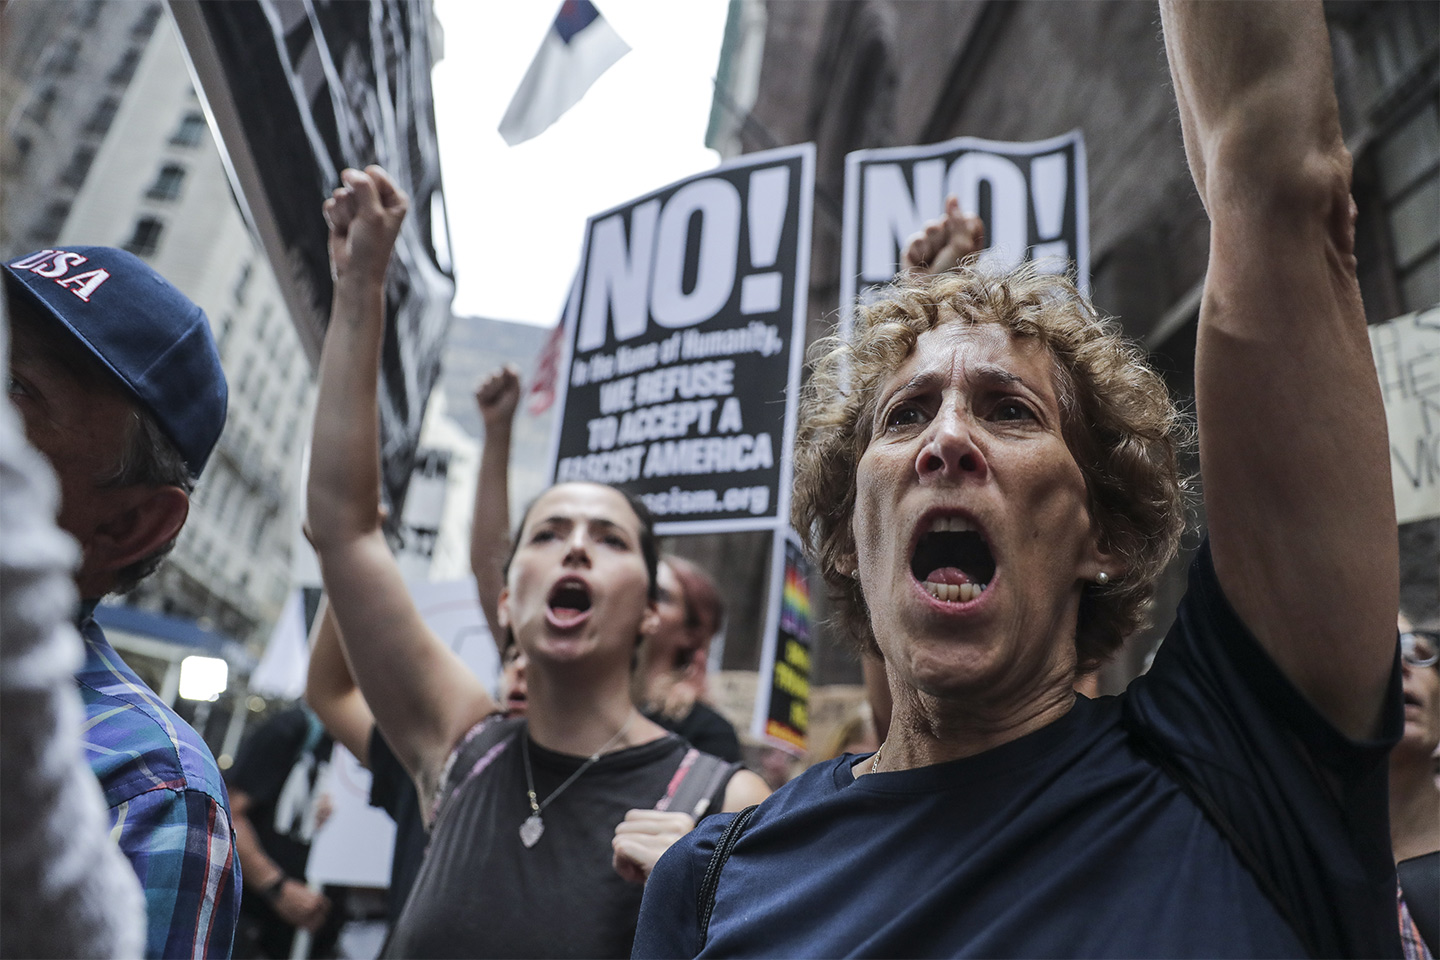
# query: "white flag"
281,671
578,47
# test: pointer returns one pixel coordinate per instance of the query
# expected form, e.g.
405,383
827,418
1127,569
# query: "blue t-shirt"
1069,842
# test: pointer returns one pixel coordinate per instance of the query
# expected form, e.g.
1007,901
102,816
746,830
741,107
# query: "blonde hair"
1117,420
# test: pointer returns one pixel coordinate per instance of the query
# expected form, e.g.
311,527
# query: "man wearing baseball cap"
117,379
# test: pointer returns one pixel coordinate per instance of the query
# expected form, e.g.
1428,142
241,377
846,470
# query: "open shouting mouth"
569,603
952,561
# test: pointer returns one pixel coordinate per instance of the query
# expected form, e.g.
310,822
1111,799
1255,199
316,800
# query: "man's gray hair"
149,459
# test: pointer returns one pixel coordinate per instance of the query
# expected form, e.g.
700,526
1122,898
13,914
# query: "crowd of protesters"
988,480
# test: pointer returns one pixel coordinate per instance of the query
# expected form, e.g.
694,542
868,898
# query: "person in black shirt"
986,477
578,597
671,677
278,801
1414,795
669,683
332,693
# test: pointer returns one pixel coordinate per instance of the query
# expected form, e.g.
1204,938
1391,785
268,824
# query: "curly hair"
1117,420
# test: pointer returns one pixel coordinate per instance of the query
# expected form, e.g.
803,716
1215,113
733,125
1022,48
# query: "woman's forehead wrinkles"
964,366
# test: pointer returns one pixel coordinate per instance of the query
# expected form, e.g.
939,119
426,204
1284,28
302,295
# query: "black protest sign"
296,92
684,335
1033,198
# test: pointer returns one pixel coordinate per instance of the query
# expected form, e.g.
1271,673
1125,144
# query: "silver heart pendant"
531,830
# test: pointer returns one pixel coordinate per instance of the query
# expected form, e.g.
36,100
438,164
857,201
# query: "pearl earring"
1102,578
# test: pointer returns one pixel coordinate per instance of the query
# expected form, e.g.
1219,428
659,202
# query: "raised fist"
498,395
942,244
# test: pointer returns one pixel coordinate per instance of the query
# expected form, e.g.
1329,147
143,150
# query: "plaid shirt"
168,807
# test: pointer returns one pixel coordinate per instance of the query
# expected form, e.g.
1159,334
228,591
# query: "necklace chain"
534,826
875,764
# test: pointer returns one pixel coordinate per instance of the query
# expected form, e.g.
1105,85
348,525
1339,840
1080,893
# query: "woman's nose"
949,451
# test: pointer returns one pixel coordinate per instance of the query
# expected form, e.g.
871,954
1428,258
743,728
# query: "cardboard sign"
1407,358
684,342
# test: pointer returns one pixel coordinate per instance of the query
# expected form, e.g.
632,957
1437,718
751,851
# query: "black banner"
297,90
685,336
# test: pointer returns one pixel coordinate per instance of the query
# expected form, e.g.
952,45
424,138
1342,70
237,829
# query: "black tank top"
481,893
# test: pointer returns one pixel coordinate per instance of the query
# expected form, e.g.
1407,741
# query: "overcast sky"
517,214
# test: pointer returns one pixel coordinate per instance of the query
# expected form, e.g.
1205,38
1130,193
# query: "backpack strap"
1210,807
695,784
476,750
705,900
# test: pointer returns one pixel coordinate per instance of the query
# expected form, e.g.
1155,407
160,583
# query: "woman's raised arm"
1293,447
423,696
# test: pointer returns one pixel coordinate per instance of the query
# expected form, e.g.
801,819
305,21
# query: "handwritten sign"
1407,358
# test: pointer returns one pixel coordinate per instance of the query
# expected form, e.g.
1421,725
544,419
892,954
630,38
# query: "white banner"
1407,358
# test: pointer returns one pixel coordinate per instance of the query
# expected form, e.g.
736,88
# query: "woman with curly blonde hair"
986,477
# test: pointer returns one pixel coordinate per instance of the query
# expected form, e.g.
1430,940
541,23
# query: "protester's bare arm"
331,691
745,788
943,243
295,902
497,396
1292,431
422,694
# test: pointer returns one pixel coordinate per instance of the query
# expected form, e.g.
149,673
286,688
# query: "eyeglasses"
1418,647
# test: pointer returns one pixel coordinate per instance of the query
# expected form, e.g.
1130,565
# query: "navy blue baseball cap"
141,328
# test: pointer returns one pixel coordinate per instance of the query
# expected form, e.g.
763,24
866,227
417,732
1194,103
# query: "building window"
39,108
1409,166
246,366
262,389
242,282
1397,181
78,168
167,182
146,238
103,116
146,24
190,131
52,221
125,69
257,532
66,56
23,146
